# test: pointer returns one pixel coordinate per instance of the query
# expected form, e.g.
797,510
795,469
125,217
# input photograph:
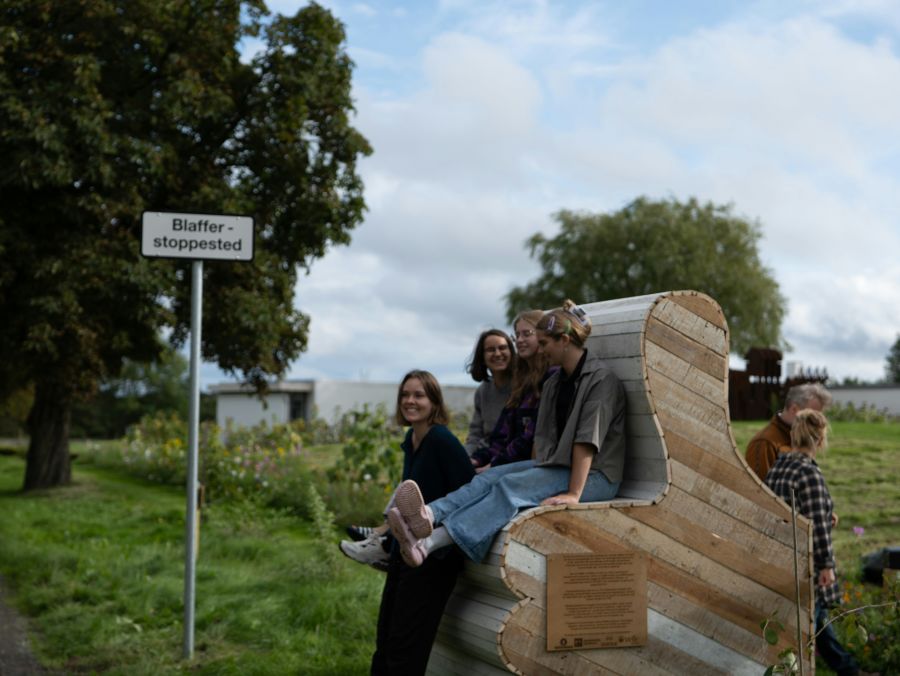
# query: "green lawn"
862,469
99,566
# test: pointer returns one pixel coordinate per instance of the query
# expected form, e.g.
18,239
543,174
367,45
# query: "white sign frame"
197,236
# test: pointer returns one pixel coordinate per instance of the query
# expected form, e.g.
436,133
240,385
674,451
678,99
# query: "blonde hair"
528,373
568,320
809,433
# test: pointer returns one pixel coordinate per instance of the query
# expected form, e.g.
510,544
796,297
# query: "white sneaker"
369,551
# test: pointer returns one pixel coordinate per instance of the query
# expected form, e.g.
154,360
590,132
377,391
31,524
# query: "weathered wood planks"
719,543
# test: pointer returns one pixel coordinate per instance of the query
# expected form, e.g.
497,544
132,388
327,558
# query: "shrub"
872,633
848,412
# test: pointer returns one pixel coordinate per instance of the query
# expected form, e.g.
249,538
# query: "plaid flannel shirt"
800,472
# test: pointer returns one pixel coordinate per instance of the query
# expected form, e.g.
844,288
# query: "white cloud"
510,111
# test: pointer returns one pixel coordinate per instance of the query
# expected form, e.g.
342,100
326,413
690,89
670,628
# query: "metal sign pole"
188,235
190,536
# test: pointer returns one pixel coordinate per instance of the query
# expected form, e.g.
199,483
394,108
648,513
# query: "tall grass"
99,566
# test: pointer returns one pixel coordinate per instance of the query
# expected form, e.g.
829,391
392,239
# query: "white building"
883,397
310,399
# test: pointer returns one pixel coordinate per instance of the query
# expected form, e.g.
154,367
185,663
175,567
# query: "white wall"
334,397
246,410
329,399
881,397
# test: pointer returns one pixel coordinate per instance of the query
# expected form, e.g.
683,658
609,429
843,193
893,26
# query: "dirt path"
16,658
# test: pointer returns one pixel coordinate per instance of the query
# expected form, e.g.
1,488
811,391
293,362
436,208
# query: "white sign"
211,237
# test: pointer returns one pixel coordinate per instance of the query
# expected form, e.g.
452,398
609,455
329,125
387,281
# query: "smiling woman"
492,363
413,599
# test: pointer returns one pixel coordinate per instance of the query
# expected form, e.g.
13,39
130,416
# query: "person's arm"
475,437
761,455
582,454
520,439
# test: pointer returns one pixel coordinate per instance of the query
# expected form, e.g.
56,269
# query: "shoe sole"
411,504
405,538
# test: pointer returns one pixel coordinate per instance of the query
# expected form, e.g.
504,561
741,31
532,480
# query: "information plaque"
596,600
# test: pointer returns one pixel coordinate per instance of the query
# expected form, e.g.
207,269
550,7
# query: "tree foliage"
108,108
650,246
140,390
892,363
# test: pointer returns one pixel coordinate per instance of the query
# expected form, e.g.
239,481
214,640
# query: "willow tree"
659,245
111,107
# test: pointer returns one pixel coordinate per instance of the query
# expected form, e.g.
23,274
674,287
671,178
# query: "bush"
873,633
864,413
267,464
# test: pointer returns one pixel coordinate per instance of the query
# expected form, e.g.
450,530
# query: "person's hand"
479,470
561,499
826,577
834,519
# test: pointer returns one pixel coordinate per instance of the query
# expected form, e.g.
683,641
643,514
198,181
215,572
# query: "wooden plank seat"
719,544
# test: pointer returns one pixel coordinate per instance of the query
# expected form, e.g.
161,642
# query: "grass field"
99,568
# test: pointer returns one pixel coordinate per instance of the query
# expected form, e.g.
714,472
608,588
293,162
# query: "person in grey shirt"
491,364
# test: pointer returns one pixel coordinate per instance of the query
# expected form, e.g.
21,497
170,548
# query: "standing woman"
512,438
579,448
491,364
413,598
797,471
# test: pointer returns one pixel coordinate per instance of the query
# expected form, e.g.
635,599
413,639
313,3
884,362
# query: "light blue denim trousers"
473,514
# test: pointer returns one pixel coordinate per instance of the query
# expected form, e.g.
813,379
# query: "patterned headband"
576,312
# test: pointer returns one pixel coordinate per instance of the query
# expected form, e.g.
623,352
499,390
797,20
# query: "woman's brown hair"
528,374
568,320
439,415
476,365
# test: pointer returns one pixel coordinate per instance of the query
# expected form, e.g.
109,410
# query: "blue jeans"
835,655
475,513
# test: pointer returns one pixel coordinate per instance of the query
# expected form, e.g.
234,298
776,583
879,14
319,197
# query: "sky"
488,117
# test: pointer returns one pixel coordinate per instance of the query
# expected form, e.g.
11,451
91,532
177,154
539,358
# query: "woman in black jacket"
413,599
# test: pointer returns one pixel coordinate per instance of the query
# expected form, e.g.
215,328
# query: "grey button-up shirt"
597,418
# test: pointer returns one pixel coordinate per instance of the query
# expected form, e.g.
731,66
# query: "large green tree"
892,363
111,107
659,245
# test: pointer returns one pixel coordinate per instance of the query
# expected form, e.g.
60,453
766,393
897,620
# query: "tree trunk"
48,464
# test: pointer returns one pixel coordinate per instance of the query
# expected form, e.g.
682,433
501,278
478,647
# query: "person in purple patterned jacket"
513,436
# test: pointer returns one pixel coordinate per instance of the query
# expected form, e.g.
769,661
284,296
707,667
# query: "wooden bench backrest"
719,544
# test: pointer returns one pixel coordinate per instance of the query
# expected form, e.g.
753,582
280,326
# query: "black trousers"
412,604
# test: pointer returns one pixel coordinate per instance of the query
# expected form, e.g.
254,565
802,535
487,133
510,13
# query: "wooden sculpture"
719,545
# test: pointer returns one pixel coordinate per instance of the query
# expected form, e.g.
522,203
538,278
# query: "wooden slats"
701,306
719,543
666,338
683,320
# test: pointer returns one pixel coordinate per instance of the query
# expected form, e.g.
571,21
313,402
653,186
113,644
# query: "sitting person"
491,364
413,598
513,435
795,477
579,447
775,438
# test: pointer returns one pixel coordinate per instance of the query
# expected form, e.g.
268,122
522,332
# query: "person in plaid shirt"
797,472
